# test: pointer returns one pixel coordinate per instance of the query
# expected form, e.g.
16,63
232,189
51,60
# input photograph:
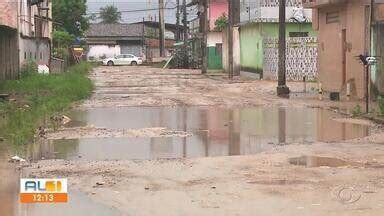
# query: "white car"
123,59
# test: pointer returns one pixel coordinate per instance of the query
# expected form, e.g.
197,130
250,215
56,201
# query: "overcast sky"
129,17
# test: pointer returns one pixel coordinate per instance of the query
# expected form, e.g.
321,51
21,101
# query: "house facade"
140,39
259,21
344,32
9,64
35,31
25,34
216,9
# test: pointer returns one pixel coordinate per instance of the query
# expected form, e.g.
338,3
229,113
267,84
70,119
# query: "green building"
251,41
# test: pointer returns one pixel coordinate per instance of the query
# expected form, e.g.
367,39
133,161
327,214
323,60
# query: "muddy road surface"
175,142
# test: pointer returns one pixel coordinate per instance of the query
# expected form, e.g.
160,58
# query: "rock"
146,188
2,139
65,119
100,183
213,187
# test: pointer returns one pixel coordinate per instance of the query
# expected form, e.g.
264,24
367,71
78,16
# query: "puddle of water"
217,132
314,161
78,204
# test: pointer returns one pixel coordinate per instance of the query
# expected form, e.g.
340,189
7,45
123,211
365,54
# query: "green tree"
70,16
62,39
110,14
221,22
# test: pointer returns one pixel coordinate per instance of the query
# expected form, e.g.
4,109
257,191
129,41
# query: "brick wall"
8,13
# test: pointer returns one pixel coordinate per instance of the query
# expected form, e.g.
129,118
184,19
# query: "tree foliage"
62,39
70,16
221,22
110,14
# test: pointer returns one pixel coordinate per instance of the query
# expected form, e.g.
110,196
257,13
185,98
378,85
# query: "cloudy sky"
127,5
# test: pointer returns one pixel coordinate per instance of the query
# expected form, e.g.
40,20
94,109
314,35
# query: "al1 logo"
43,190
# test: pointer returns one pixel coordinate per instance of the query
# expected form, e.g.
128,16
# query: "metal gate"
130,49
9,58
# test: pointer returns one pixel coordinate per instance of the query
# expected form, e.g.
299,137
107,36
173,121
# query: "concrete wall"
37,50
353,18
98,51
251,41
236,49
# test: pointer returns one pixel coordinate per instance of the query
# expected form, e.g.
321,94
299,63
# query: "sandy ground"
345,178
144,86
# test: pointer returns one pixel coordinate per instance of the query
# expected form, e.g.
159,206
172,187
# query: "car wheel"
133,63
110,63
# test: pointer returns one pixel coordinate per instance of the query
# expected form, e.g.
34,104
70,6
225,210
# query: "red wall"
8,13
216,9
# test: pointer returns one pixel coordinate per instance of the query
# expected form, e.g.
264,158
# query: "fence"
301,59
58,65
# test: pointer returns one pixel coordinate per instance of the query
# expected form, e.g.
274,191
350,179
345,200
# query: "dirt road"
174,142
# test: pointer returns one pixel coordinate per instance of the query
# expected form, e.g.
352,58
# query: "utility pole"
162,28
177,37
185,36
203,7
143,53
233,18
230,39
282,88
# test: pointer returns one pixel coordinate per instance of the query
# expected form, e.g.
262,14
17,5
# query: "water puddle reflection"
314,161
217,132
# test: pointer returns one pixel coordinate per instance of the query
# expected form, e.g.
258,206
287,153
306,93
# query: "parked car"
123,59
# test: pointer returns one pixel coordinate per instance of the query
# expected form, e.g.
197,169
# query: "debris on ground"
15,159
100,183
41,132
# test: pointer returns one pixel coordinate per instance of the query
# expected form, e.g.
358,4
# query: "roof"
115,30
168,26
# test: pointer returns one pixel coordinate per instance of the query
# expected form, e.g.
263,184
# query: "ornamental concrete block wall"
301,58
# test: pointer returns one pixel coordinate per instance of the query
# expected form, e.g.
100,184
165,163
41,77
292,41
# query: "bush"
38,97
356,110
28,69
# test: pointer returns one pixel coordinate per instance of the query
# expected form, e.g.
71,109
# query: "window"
41,55
332,17
25,55
120,56
298,34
